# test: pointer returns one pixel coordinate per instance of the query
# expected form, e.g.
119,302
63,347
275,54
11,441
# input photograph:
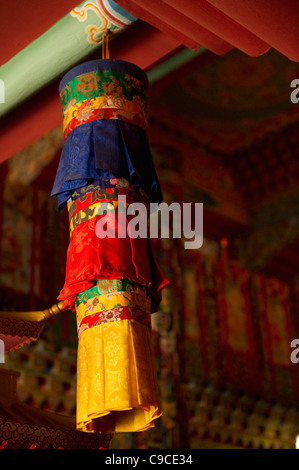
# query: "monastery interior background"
223,132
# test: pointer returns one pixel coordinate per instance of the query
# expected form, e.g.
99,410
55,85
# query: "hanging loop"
105,44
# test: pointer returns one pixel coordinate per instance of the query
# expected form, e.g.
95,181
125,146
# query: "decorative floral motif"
120,182
102,83
99,191
112,300
86,83
95,210
109,18
85,110
134,117
93,32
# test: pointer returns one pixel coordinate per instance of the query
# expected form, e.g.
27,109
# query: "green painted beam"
168,66
64,45
61,47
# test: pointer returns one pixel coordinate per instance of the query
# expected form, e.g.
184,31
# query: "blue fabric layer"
104,149
115,65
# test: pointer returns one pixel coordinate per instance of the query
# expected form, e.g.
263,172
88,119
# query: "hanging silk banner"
113,283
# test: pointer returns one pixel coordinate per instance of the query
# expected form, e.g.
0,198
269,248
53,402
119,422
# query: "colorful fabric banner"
112,280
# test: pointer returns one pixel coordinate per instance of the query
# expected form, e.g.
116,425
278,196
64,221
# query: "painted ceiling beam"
221,25
273,21
252,26
61,47
175,23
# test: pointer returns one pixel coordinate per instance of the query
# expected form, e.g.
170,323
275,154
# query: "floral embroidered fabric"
102,78
103,94
91,110
104,186
95,203
112,300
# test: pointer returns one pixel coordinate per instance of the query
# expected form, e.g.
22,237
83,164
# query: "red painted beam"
23,22
172,22
141,44
274,21
138,11
221,25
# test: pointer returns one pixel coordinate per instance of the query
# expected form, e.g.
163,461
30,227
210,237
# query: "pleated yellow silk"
117,387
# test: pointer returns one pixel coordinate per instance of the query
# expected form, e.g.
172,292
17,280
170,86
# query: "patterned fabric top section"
112,65
102,83
103,94
106,89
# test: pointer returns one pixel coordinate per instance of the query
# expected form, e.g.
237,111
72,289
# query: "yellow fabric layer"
117,388
83,108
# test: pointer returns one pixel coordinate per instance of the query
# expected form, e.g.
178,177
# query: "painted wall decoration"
34,158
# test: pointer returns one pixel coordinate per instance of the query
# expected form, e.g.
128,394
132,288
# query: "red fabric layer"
90,258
